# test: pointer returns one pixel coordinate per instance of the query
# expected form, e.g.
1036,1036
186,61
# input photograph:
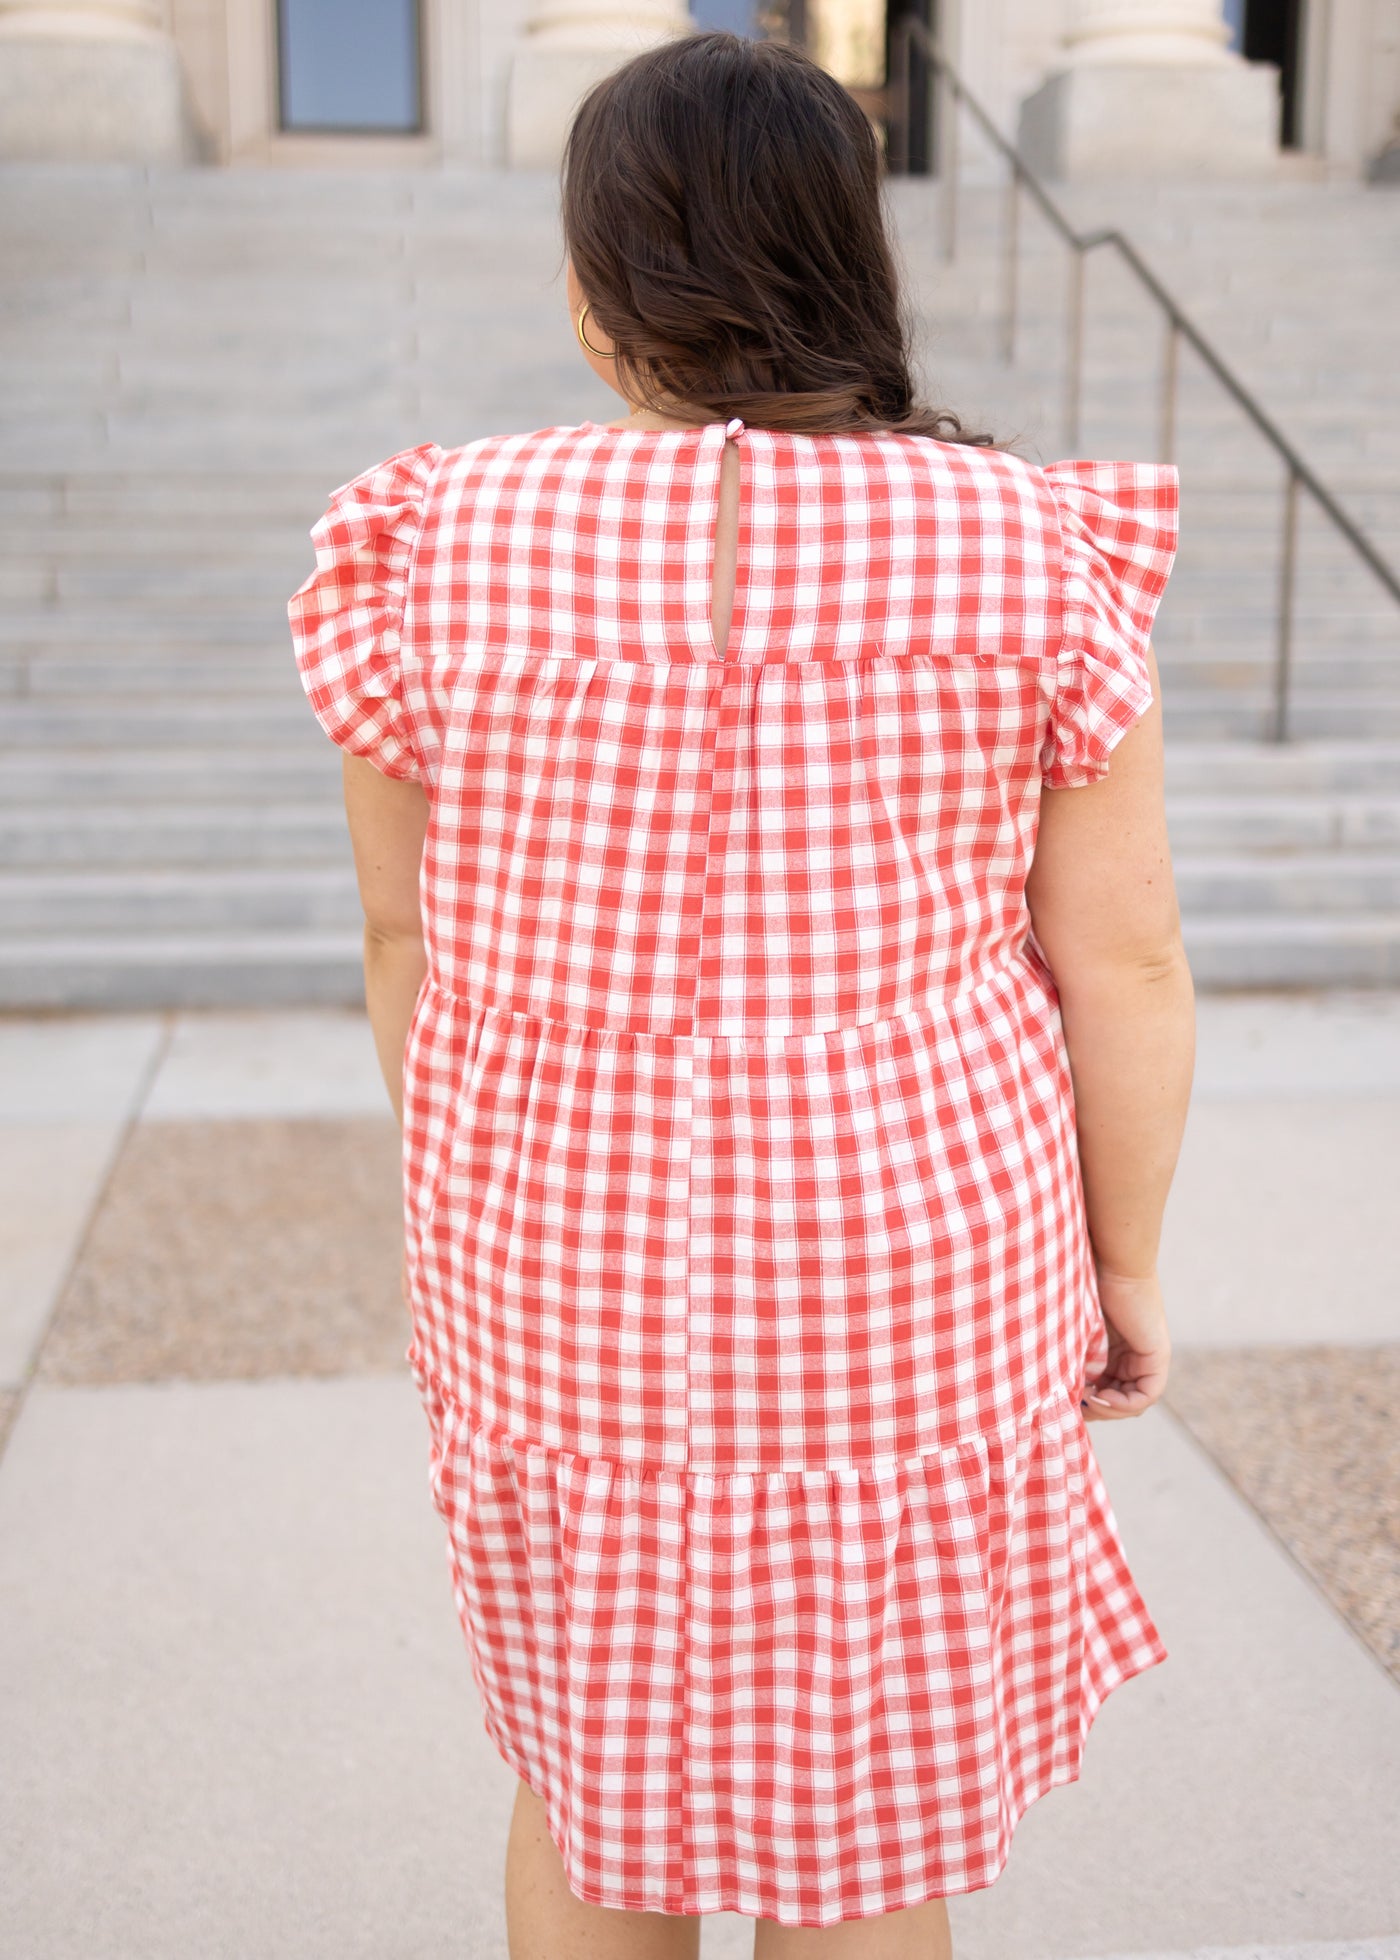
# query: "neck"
648,418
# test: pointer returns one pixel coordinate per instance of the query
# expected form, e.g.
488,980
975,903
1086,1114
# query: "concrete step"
1297,768
1329,578
195,360
77,630
245,722
153,590
151,970
1281,824
193,501
260,672
153,776
1252,632
263,899
249,540
237,589
1187,670
1238,884
1312,950
1238,715
138,837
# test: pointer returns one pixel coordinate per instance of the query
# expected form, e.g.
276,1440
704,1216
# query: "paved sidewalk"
236,1714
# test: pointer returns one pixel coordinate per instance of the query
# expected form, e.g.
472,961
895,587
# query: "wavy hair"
722,205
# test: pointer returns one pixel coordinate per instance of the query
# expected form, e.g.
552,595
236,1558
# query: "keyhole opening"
726,554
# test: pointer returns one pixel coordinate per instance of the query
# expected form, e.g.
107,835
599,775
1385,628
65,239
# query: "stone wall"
1352,96
201,34
1006,48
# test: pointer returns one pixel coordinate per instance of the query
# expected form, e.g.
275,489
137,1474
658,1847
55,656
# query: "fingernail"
1102,1402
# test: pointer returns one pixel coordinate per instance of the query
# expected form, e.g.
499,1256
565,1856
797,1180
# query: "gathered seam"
462,1419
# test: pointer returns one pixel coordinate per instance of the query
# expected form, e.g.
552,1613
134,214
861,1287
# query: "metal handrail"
955,93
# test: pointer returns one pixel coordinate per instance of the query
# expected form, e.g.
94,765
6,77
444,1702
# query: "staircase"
1286,855
191,360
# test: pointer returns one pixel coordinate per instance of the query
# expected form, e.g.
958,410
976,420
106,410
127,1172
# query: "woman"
750,912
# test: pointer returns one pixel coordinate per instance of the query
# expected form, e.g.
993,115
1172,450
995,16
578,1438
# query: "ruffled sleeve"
347,619
1118,529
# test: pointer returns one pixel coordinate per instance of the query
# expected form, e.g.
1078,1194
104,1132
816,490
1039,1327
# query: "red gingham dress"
751,1290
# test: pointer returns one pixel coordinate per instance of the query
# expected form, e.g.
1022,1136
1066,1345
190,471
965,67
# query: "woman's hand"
1139,1348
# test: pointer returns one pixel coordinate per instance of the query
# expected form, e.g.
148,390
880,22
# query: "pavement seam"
145,1082
1317,1586
1369,1947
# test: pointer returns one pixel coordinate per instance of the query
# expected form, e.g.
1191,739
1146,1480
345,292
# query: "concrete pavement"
237,1718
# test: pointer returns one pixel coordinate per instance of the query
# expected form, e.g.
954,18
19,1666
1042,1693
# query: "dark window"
1272,31
350,65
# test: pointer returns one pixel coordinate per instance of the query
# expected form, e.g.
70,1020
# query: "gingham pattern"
752,1296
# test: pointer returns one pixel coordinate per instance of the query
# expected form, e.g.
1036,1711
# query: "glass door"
350,67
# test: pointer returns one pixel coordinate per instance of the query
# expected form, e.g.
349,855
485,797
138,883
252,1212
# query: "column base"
1217,119
66,98
1384,167
546,84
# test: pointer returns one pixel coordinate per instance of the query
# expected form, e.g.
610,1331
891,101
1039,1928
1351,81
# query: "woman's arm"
1104,908
388,819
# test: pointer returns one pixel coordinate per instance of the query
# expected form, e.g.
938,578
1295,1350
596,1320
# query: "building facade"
246,82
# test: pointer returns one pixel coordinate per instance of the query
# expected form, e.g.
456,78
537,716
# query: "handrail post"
953,99
1288,566
1074,352
948,145
1170,366
1012,267
897,159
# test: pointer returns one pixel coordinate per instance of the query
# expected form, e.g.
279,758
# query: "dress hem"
690,1908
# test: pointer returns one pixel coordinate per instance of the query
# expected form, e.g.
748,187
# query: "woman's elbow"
392,932
1153,967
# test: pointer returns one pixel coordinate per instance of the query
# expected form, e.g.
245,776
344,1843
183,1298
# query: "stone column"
1151,87
1384,167
90,81
566,47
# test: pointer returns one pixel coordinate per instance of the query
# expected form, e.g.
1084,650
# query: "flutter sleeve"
347,619
1118,531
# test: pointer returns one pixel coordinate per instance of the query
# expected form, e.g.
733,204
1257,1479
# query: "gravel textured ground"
239,1250
1309,1436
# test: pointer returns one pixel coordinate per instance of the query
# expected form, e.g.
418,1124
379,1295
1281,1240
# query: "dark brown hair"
722,205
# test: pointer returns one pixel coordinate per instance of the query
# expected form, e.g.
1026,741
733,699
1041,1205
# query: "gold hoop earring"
583,337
